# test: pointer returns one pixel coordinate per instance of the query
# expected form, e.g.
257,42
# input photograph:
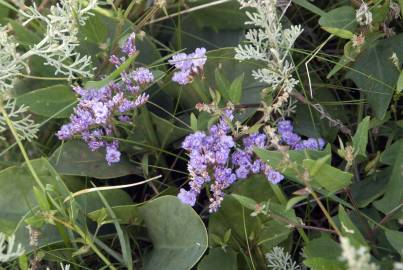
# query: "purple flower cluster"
285,130
188,65
212,157
245,164
129,47
215,159
97,109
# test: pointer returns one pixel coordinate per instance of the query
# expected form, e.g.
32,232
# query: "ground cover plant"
198,134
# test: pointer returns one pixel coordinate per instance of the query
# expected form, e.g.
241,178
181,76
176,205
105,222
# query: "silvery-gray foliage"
269,42
57,48
278,259
9,250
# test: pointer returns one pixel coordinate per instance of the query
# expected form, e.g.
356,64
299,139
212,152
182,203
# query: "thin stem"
325,212
188,11
20,145
283,200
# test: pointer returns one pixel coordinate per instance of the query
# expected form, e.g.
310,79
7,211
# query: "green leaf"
399,87
235,90
326,176
113,75
18,201
349,230
343,62
122,234
125,214
75,158
376,75
178,234
245,201
380,12
272,234
395,238
309,6
17,197
94,29
360,138
339,32
323,253
25,37
369,189
193,122
219,259
156,130
274,159
4,4
224,16
324,247
392,156
310,123
233,216
293,201
222,83
341,21
324,264
55,101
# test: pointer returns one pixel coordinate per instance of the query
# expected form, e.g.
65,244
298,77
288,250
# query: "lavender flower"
199,58
129,47
142,99
188,65
187,197
112,153
273,176
115,60
285,129
181,61
182,77
284,126
214,153
98,109
142,76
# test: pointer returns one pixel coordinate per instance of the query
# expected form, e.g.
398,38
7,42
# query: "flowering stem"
283,200
22,149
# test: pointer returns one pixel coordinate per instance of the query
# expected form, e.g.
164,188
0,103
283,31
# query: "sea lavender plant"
98,109
216,159
188,65
269,43
286,132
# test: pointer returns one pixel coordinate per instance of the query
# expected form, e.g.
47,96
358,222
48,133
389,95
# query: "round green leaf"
178,234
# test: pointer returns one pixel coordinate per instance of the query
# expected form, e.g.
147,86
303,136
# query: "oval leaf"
177,232
56,101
